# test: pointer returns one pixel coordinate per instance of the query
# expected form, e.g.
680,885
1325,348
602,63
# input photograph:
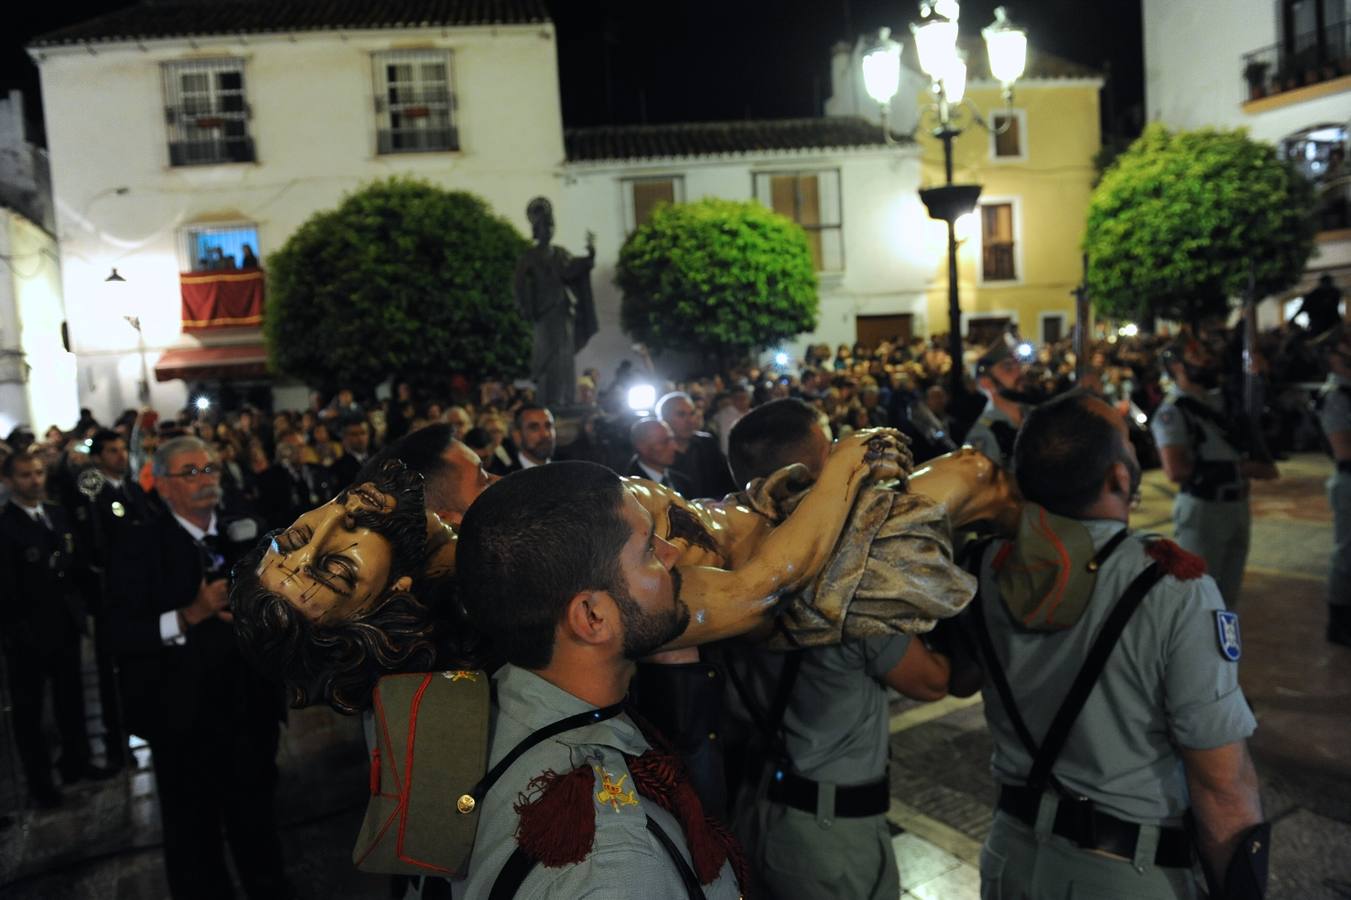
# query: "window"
207,112
1007,135
213,248
811,199
413,102
997,242
643,195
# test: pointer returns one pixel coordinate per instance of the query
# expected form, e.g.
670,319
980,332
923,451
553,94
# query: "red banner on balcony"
222,299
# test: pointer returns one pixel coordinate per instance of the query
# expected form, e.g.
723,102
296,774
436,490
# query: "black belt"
1223,493
1079,821
855,801
1344,465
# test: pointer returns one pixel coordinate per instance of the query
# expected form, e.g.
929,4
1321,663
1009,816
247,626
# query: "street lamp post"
142,388
936,46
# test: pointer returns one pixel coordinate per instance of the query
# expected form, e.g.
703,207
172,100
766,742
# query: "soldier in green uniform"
1334,414
1095,779
1201,453
999,375
561,567
820,828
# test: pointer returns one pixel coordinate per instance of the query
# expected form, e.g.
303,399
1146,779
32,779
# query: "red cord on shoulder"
557,824
1179,563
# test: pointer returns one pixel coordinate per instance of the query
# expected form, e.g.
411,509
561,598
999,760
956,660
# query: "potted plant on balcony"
1255,72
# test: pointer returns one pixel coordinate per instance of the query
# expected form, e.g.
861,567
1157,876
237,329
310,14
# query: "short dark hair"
477,439
20,456
424,452
102,438
520,413
769,437
1064,451
529,544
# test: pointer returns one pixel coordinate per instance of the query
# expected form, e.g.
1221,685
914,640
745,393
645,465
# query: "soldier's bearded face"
339,560
647,590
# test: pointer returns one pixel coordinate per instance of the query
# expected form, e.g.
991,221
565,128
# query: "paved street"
104,844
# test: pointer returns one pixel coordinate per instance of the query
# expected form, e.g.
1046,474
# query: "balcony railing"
416,139
204,133
1306,59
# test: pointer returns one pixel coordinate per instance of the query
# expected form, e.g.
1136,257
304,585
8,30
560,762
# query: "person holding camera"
211,722
999,375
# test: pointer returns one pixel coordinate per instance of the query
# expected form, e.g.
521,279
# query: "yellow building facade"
1019,254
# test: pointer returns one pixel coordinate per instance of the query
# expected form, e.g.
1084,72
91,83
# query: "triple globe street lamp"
943,63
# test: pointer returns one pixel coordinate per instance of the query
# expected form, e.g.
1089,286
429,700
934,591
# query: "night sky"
698,60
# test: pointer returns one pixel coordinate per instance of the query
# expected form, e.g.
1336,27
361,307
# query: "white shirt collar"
525,461
657,475
197,533
32,511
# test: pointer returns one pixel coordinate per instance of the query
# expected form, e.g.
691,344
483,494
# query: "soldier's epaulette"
1181,564
557,817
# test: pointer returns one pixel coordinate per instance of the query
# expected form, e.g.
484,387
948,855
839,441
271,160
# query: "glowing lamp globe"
1007,45
882,68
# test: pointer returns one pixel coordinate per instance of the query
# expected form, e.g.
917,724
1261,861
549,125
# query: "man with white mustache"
211,721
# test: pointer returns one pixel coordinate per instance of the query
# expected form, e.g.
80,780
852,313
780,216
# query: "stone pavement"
105,842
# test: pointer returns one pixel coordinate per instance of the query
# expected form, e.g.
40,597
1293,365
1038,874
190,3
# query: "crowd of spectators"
277,463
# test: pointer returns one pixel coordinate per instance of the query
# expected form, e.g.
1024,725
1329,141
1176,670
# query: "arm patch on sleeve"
1226,629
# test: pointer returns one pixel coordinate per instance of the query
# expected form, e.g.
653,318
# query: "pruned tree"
717,277
1179,218
403,277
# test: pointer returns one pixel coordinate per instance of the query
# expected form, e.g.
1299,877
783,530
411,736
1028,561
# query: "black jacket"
705,468
41,605
675,480
157,567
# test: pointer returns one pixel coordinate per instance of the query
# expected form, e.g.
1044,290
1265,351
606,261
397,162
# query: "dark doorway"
986,329
872,330
1052,328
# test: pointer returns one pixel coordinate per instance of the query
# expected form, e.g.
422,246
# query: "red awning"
205,363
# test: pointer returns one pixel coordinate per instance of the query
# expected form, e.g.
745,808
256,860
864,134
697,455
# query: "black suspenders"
1044,756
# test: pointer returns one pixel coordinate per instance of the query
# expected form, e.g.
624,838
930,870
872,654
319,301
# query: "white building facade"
856,197
170,153
1281,69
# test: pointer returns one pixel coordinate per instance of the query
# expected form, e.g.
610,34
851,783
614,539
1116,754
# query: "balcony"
1308,60
207,133
416,120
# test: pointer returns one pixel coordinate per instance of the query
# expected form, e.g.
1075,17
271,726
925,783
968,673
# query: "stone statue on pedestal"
553,292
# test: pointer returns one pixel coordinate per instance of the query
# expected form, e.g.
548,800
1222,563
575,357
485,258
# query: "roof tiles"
615,142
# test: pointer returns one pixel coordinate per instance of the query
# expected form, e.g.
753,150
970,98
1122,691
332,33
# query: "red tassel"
1177,562
375,771
557,824
660,777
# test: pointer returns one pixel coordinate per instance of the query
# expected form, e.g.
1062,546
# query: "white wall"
889,246
313,125
37,376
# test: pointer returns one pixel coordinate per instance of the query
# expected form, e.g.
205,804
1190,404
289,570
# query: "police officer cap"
1003,348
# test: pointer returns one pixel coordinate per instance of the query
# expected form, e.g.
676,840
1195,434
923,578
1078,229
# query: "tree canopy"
718,277
1178,217
404,278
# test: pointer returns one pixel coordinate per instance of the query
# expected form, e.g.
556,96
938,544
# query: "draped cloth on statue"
891,572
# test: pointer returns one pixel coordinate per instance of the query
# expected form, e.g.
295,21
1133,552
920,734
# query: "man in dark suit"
698,456
41,619
211,721
532,438
119,503
356,449
655,452
289,487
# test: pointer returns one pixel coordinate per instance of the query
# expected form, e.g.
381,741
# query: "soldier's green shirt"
982,437
1166,685
1171,428
626,860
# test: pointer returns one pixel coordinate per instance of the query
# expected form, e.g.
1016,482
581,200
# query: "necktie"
41,517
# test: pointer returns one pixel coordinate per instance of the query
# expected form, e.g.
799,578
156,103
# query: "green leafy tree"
717,277
1179,216
402,278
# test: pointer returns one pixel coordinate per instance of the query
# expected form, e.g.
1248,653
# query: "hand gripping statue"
553,292
360,588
